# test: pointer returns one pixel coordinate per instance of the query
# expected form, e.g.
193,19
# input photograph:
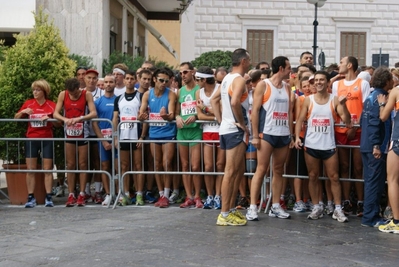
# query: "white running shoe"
279,213
339,216
252,215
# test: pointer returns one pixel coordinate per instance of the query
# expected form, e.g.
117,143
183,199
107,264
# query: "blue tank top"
163,128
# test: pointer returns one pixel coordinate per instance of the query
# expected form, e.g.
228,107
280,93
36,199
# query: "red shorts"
212,137
342,139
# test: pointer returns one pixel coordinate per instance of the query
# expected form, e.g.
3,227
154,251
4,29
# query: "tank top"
320,129
97,93
155,103
274,113
75,109
105,110
354,102
128,111
395,128
209,127
188,105
227,125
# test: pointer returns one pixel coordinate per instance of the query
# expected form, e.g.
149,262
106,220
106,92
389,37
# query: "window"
260,45
112,42
354,44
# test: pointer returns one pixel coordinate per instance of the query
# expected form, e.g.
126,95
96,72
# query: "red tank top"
75,109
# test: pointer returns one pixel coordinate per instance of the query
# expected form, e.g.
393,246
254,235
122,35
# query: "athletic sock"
97,186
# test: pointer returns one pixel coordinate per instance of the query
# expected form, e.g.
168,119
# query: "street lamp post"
317,4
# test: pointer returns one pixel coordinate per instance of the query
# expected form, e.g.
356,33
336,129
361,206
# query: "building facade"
272,28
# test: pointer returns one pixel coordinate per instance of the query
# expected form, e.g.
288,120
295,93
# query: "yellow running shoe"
240,216
229,220
391,227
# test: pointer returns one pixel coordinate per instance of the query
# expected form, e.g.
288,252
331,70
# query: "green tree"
41,54
82,60
214,59
132,63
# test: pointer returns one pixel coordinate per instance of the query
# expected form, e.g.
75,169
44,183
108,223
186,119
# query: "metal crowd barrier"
120,178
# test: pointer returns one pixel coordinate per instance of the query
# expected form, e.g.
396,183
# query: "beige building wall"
171,31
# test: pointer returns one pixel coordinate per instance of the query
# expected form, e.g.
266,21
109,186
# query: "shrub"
82,60
214,59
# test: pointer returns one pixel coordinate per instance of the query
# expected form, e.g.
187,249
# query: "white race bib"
75,130
127,124
107,133
280,118
188,108
156,117
320,125
38,123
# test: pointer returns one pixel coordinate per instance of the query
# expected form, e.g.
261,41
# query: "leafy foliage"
132,63
82,60
3,50
41,54
214,59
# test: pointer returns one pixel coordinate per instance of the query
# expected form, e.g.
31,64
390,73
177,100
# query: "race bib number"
156,117
126,124
355,119
107,133
188,108
75,130
38,123
211,124
280,118
320,125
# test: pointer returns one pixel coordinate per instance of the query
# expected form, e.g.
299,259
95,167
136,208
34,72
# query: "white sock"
127,194
224,214
139,193
321,203
217,197
167,192
338,207
98,186
160,194
253,207
282,197
276,205
176,191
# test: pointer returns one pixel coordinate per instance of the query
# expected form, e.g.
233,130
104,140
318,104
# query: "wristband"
382,104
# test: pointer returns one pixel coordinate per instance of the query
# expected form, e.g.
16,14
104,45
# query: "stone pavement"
148,236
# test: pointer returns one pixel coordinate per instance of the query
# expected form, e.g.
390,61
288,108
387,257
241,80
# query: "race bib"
280,118
75,130
355,119
126,124
156,117
211,124
107,133
320,125
188,108
38,123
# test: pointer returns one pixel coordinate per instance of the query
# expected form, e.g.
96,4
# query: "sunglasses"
184,72
163,80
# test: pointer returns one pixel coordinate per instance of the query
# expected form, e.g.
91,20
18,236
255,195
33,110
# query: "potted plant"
41,54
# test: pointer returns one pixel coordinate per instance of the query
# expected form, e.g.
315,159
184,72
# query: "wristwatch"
376,147
382,104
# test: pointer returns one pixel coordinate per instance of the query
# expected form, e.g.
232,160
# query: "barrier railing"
144,160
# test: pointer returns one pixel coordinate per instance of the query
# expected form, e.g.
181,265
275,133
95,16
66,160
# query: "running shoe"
59,191
279,213
359,210
391,227
316,213
339,216
149,197
173,198
188,203
208,203
291,202
31,202
139,200
198,203
230,220
309,205
107,200
347,207
252,215
162,202
88,198
124,200
81,202
243,203
71,202
329,210
388,213
239,215
299,206
282,204
48,202
98,198
217,203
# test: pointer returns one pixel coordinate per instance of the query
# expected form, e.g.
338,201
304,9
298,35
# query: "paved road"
148,236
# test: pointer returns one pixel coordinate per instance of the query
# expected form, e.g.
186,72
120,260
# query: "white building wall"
210,25
84,26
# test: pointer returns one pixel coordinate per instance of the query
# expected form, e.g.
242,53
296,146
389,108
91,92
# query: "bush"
132,63
214,59
3,49
82,60
41,54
